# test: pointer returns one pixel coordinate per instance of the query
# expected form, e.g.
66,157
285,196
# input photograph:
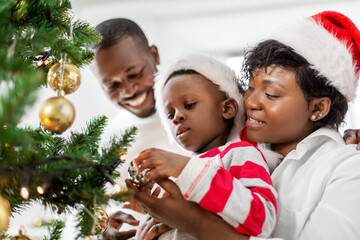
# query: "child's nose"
178,118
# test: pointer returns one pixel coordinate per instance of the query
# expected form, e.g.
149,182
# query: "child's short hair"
312,84
212,69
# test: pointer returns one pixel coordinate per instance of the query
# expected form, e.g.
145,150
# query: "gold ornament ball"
4,213
71,78
102,220
57,114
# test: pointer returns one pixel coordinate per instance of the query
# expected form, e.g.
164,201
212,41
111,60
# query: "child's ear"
230,108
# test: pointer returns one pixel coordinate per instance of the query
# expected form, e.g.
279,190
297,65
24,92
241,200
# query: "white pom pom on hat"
215,71
330,42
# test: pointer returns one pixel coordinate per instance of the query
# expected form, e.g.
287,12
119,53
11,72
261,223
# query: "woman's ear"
319,108
230,108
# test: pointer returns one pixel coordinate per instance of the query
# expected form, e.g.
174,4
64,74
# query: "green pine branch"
55,228
73,171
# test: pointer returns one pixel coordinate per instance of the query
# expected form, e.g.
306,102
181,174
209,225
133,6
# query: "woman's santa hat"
212,69
335,33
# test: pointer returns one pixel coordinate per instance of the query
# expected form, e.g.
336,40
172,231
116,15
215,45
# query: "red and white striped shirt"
233,181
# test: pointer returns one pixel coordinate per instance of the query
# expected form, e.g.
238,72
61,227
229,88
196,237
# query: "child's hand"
160,163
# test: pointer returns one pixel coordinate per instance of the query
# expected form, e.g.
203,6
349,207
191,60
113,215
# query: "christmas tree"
38,38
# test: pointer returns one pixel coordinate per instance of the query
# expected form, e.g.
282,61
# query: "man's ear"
154,54
319,108
230,108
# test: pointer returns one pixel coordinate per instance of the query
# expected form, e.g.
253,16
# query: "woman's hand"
160,163
150,229
176,212
352,136
172,209
133,205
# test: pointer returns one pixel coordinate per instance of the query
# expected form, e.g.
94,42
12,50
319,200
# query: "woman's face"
277,111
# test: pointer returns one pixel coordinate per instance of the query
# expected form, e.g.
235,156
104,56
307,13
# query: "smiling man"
125,65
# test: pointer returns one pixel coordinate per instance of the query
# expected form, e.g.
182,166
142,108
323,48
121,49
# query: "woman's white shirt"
318,185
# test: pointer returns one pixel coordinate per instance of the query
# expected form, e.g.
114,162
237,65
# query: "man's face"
126,73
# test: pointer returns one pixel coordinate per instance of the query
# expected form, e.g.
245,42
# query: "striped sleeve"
234,183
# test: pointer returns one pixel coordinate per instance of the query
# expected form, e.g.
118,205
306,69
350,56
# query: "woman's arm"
176,212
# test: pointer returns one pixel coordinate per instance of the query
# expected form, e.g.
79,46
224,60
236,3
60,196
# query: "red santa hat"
214,70
330,42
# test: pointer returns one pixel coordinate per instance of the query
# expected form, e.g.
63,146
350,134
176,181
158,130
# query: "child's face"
277,111
194,107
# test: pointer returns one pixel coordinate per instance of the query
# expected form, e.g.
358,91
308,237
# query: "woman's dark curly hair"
312,84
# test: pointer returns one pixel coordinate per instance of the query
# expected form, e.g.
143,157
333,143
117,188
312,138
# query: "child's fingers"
145,156
148,150
150,163
157,172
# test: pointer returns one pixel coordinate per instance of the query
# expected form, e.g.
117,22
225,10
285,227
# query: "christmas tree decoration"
101,220
57,114
21,236
60,173
135,174
4,213
64,76
24,192
123,157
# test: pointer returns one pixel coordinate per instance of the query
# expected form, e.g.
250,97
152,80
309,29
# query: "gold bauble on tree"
57,114
102,220
71,79
4,213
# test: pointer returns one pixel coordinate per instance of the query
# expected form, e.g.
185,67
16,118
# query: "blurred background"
222,28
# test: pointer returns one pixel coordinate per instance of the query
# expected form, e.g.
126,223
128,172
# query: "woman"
299,83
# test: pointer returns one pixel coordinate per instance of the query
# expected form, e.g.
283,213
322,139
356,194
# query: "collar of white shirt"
314,140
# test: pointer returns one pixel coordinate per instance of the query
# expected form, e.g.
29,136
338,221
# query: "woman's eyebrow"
271,82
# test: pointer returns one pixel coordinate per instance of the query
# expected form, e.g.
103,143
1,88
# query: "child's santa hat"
336,33
213,70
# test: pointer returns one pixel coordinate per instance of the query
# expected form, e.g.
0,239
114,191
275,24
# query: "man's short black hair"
114,30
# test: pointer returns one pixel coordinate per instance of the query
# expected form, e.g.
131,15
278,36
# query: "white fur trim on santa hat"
309,39
212,69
